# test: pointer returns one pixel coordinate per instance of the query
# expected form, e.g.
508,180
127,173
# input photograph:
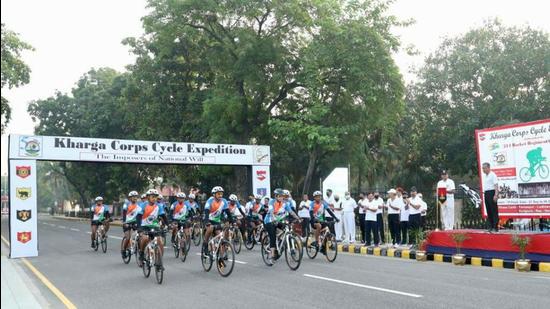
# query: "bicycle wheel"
159,268
543,171
127,256
525,174
237,240
96,242
136,252
311,250
197,234
264,248
331,247
177,246
250,240
293,252
183,248
187,242
104,243
226,258
206,261
146,267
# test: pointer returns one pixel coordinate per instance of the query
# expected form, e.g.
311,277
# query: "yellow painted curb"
391,252
545,267
405,254
438,257
497,263
351,248
476,261
376,251
340,248
363,250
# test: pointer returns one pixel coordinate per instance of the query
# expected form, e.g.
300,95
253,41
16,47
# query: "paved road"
95,280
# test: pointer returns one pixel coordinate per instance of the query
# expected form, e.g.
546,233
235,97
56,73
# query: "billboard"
519,155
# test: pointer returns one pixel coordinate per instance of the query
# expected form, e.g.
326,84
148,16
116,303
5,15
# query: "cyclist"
214,208
278,211
181,212
100,215
317,213
149,218
130,211
166,208
191,202
235,205
255,213
143,199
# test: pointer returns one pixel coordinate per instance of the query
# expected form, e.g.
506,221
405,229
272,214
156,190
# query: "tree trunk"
309,173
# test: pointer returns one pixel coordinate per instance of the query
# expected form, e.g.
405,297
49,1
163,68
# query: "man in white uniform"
349,206
339,225
394,206
423,211
303,212
329,199
448,207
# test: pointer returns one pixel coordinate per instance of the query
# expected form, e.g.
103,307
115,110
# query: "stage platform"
487,245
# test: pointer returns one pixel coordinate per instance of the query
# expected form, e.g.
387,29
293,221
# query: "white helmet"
233,198
180,195
317,193
152,192
191,196
257,197
133,194
286,192
217,189
160,196
99,198
143,195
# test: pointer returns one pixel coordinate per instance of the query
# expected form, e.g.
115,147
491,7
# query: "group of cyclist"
150,215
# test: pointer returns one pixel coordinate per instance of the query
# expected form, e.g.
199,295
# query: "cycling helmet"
160,196
133,194
233,198
317,193
152,192
257,197
278,192
180,195
286,192
99,198
191,196
217,189
143,195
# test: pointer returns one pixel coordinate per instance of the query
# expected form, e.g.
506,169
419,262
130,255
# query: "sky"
72,36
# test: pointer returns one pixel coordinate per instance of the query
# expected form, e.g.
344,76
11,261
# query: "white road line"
89,232
61,227
364,286
547,278
76,230
236,261
115,237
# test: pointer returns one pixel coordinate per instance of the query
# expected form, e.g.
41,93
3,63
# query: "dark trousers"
305,227
404,227
371,229
492,209
380,224
362,226
393,221
414,226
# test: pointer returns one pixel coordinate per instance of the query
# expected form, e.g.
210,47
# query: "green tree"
14,71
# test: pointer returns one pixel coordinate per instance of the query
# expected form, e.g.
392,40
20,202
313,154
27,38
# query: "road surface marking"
61,226
238,262
115,237
76,230
364,286
45,281
547,278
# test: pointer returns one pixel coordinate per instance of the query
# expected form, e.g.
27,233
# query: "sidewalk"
18,291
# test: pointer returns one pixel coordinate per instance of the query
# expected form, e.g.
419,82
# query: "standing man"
339,225
370,220
394,205
415,209
447,185
423,211
303,213
379,202
349,206
404,217
361,211
330,201
490,193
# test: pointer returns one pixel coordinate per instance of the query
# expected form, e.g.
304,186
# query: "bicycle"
287,242
100,237
132,248
525,172
196,231
221,251
327,241
153,257
234,236
182,244
257,236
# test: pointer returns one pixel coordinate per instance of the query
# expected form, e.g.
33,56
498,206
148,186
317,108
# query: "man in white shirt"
349,205
490,194
394,206
415,210
379,202
447,207
329,199
362,198
339,225
303,213
423,210
404,217
371,208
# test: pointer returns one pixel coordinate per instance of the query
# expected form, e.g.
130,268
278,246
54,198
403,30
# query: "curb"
411,255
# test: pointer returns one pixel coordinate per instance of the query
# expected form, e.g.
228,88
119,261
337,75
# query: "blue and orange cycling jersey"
100,211
180,211
318,209
150,214
215,208
132,210
277,211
